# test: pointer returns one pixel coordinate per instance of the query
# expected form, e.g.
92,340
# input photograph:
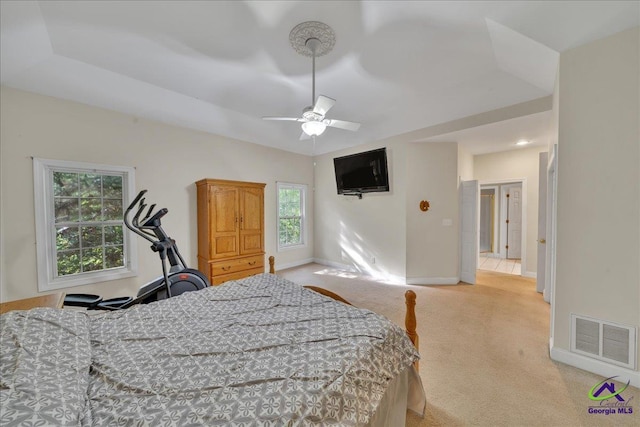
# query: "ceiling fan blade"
304,136
291,119
341,124
323,104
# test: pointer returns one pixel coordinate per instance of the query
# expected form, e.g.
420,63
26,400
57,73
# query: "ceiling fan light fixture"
313,128
313,38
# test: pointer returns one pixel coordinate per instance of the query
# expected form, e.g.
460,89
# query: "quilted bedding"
261,351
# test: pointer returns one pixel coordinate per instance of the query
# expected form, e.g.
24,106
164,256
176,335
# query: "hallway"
500,265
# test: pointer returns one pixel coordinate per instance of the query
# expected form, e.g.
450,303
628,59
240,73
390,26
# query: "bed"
261,351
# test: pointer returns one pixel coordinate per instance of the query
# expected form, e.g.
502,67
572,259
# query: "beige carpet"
485,357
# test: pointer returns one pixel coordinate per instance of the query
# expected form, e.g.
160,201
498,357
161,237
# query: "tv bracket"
353,194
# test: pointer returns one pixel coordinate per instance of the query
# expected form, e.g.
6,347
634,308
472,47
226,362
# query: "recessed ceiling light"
522,142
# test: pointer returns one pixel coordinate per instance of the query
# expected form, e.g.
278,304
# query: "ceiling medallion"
302,33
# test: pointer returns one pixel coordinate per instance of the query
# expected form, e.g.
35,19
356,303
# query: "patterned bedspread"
258,352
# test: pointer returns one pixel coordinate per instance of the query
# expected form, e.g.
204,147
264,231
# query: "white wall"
465,165
432,246
168,160
517,164
598,226
407,244
351,231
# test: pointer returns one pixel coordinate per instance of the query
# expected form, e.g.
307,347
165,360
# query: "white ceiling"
219,66
502,135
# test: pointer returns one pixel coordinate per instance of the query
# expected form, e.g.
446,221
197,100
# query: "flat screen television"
362,173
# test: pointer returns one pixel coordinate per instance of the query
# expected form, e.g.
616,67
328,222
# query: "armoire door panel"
224,246
251,243
224,215
251,207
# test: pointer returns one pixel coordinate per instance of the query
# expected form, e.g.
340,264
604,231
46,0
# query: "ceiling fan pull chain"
313,77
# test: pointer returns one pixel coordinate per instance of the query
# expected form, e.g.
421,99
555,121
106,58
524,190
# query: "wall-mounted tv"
362,173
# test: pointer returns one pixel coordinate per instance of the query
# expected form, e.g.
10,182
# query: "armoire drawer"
237,264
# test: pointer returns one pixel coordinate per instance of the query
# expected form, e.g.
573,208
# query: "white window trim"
45,235
303,216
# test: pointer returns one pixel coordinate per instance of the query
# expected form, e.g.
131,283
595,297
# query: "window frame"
303,215
46,252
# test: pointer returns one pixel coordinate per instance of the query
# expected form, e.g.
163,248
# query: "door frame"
469,230
552,200
541,275
523,249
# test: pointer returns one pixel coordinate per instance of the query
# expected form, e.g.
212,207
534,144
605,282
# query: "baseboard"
293,264
334,264
433,280
592,365
530,274
490,254
386,278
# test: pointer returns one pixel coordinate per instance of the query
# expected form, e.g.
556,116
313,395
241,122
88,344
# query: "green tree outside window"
290,215
88,210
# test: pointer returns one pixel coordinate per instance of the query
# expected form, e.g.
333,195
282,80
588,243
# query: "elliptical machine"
177,280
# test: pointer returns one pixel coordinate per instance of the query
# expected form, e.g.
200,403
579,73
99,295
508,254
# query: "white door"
550,270
542,220
469,231
514,221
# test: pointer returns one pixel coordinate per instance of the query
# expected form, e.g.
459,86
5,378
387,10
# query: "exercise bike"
177,280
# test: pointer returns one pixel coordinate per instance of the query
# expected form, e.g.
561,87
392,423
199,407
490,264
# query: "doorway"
502,225
487,220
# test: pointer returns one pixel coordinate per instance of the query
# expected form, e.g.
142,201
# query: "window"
291,215
81,236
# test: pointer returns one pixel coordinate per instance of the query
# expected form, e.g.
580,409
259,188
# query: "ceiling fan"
315,39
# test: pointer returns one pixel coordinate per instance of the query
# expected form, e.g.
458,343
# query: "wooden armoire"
230,229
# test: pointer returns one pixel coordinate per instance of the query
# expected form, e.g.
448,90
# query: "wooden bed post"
410,320
272,265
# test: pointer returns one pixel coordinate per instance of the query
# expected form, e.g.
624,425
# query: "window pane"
65,184
294,231
68,262
112,187
114,256
113,235
290,231
91,237
67,238
289,202
112,209
284,232
66,210
294,209
282,195
92,259
90,185
290,215
91,209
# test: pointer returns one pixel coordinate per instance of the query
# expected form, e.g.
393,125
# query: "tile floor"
501,265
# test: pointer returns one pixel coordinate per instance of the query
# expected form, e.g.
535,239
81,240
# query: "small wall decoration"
424,205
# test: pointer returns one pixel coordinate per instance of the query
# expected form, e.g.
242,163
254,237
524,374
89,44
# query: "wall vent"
606,341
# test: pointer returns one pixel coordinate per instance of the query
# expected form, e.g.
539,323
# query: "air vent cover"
603,340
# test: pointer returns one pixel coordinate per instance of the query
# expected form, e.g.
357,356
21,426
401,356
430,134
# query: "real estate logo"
609,400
